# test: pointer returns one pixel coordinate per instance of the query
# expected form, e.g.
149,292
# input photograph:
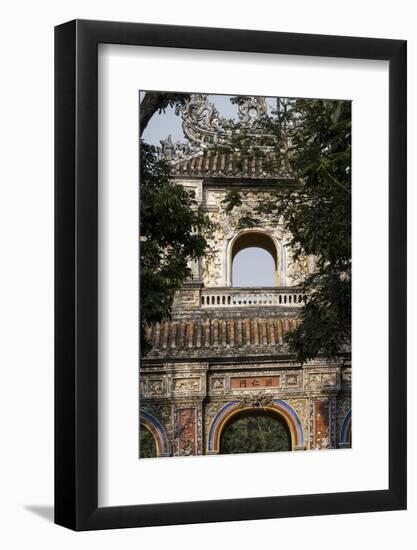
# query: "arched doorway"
255,431
253,260
278,409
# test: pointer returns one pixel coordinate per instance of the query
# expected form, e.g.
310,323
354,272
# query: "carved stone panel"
292,380
186,380
321,424
323,419
184,385
186,434
187,298
153,386
217,384
322,379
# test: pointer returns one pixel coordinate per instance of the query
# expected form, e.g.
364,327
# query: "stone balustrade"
251,297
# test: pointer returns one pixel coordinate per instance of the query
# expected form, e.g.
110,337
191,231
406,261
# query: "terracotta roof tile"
209,337
215,164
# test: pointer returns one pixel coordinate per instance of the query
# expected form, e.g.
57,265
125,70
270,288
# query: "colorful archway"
158,432
279,407
345,437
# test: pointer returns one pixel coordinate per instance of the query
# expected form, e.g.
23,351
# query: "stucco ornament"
251,109
202,123
205,127
256,400
227,226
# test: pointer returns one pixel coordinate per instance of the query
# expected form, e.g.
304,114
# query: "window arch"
249,250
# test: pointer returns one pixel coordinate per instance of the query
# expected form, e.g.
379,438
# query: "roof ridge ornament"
251,110
202,123
204,127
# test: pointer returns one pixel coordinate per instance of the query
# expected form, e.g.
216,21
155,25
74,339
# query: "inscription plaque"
250,382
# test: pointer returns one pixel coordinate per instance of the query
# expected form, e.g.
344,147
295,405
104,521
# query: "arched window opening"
147,445
254,261
255,431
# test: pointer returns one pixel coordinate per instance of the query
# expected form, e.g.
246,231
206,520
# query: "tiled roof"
215,164
223,337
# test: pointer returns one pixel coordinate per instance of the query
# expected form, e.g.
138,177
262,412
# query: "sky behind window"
253,267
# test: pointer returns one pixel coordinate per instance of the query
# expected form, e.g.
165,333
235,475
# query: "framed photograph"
230,275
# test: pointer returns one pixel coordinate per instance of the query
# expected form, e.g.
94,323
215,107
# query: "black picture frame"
76,272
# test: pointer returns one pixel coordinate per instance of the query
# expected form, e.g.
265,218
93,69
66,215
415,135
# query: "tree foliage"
255,433
147,445
315,136
154,102
173,231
